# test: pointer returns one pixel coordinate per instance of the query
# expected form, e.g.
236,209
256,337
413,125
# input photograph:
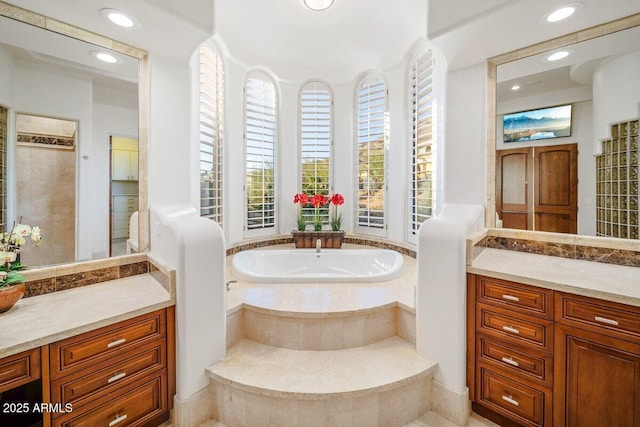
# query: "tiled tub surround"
352,239
302,354
598,249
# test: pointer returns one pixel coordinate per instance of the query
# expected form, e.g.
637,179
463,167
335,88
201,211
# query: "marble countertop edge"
608,282
41,320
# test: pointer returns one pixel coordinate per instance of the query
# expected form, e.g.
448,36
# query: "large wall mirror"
73,139
550,178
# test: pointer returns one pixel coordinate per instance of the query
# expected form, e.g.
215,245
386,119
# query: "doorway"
123,191
537,188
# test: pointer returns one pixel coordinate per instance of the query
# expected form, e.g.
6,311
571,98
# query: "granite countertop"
44,319
609,282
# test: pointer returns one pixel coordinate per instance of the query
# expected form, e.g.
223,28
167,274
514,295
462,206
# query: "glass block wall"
617,213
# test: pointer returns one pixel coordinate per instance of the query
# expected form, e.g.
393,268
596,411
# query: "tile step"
316,375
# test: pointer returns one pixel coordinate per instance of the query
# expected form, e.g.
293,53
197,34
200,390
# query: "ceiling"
337,44
535,75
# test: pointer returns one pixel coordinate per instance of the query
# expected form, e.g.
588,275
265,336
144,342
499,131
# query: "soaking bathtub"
307,265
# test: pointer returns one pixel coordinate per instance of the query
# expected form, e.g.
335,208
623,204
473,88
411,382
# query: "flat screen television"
543,123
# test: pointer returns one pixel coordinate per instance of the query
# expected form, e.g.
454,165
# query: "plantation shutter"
260,137
316,107
211,133
421,98
372,136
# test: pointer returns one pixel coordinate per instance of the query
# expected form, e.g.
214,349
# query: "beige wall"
45,196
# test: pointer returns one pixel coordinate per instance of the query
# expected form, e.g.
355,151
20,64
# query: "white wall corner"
195,247
441,300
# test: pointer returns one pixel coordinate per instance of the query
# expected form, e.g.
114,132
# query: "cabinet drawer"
19,369
613,319
144,403
516,360
78,389
103,344
525,405
124,203
522,298
521,329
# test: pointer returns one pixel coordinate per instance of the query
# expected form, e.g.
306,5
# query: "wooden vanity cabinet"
537,357
597,349
119,375
512,351
19,369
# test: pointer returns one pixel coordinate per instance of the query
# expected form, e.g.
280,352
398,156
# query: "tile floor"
430,419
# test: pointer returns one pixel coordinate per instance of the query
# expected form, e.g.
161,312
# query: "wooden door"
555,203
537,188
514,172
597,380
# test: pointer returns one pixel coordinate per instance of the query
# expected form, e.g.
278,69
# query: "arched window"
316,115
422,136
211,133
372,139
260,153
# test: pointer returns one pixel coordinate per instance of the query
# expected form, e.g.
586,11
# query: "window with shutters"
316,111
260,145
372,139
422,136
211,133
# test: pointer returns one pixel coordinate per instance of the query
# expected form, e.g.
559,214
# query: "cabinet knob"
116,377
117,420
607,321
511,400
510,361
511,329
116,342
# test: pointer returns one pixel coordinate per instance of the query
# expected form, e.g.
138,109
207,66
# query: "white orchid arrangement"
10,244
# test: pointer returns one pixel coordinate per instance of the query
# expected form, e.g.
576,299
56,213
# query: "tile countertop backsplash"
69,299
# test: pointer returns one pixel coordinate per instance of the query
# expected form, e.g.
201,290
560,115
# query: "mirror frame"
492,72
35,19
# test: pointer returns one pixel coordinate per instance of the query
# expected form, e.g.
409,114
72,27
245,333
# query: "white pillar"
195,247
441,304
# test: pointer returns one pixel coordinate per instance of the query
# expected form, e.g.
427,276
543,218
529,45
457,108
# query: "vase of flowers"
11,281
309,239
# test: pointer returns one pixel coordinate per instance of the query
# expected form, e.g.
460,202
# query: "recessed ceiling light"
561,13
106,57
120,18
515,87
556,56
318,4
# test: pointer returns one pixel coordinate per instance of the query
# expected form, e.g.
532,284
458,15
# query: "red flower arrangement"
318,201
336,219
301,199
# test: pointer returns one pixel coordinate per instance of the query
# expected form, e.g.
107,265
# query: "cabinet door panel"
601,384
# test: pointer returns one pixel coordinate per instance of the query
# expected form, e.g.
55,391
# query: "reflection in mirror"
45,174
70,193
551,184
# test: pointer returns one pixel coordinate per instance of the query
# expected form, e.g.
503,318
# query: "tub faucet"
318,245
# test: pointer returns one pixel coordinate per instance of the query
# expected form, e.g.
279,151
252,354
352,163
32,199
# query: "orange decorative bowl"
10,295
